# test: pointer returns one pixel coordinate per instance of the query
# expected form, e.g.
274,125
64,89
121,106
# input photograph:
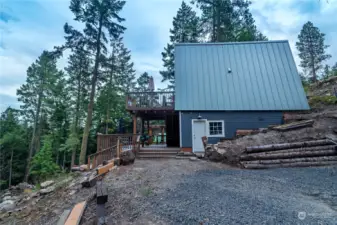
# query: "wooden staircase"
157,153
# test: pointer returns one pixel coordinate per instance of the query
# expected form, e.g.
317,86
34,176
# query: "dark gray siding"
233,121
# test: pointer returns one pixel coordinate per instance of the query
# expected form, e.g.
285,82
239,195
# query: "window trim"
216,121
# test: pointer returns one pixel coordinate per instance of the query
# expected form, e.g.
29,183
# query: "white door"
198,131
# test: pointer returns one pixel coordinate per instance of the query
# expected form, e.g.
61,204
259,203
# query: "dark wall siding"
233,121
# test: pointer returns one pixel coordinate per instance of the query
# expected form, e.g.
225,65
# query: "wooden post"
89,163
117,150
134,117
98,142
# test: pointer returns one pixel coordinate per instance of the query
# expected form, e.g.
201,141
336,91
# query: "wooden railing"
110,146
150,100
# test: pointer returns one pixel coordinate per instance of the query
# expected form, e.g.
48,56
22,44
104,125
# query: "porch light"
199,117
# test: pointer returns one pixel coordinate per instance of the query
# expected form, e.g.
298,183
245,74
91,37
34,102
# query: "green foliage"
185,29
43,165
318,101
311,49
226,20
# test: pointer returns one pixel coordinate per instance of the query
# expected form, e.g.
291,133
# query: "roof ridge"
233,43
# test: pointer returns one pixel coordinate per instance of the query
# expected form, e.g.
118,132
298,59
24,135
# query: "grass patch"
146,191
317,101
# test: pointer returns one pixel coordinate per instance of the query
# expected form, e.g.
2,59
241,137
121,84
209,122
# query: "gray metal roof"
263,77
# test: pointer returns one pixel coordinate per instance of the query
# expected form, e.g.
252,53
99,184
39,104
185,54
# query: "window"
216,128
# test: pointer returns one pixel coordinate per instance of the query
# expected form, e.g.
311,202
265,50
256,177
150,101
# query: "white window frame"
216,121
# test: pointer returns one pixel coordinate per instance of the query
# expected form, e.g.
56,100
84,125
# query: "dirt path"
186,192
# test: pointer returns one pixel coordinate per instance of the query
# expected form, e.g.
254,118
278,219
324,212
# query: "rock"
127,157
72,192
47,190
47,183
193,159
7,205
263,130
23,186
6,198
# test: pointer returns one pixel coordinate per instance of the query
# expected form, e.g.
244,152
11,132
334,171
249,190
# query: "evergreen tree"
326,72
226,20
41,77
311,49
101,21
143,82
13,148
185,29
78,71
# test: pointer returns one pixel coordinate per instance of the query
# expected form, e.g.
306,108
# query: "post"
118,145
88,168
98,142
134,118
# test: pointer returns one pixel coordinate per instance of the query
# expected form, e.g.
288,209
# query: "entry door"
198,131
172,131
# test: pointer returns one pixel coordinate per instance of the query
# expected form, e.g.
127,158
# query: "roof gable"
263,76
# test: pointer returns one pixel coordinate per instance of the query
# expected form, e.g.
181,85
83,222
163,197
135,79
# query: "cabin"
221,88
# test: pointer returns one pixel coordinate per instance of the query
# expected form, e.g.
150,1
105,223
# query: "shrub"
322,100
43,165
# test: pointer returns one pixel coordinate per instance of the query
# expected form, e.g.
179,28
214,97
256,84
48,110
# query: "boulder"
47,190
127,157
7,205
47,183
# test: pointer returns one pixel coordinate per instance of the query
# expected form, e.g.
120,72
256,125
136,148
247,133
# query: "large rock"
7,205
127,157
47,190
47,183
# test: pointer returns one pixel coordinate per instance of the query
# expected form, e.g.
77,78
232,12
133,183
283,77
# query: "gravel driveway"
200,192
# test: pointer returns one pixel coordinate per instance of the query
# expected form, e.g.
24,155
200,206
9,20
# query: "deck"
147,101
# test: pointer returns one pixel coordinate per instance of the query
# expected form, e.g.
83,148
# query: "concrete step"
157,152
155,156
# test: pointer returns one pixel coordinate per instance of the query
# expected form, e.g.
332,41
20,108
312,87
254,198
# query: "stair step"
157,152
155,156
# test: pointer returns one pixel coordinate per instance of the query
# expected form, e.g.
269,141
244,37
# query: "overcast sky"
27,27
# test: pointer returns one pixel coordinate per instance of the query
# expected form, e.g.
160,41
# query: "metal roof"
237,76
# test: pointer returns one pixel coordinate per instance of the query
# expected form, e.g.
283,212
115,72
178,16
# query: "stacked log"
298,154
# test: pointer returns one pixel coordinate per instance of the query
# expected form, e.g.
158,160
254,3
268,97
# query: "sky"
27,27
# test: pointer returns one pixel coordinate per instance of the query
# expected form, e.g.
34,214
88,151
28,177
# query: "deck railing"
150,100
110,146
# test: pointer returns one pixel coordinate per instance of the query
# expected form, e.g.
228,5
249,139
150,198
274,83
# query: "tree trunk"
290,164
33,141
86,131
289,155
10,169
265,148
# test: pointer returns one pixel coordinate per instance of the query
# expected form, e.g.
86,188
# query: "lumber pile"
298,154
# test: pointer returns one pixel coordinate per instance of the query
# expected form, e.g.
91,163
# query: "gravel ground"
200,192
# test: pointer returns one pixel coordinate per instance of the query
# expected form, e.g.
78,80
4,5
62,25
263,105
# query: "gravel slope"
185,192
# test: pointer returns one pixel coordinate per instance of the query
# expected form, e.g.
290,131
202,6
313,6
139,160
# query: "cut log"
296,164
294,125
292,160
101,193
76,214
264,148
288,155
277,153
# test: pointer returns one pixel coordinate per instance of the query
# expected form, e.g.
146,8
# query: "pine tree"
311,49
13,148
41,77
228,21
78,71
185,29
143,82
101,21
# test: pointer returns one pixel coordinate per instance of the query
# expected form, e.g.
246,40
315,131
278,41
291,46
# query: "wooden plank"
105,169
76,214
63,217
101,193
